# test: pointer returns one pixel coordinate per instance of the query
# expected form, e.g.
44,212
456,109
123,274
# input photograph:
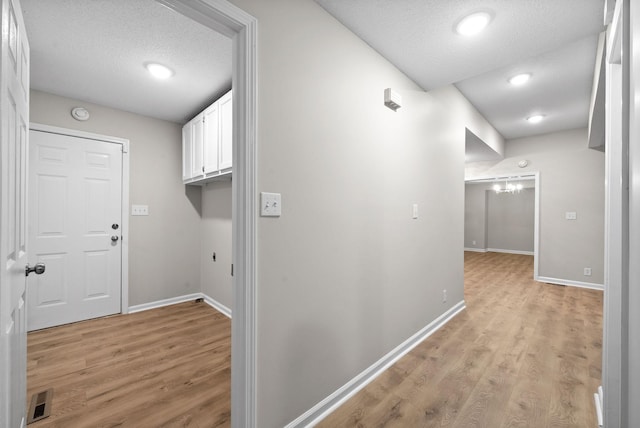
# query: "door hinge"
231,269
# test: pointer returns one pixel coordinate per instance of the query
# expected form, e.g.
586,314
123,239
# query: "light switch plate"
571,215
139,209
270,204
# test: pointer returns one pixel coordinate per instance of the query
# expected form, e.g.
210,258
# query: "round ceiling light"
520,79
473,24
536,118
159,71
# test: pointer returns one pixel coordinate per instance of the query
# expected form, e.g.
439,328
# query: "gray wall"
475,215
510,221
215,232
499,221
571,179
163,247
345,274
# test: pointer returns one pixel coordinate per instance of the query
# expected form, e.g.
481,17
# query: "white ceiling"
95,51
556,40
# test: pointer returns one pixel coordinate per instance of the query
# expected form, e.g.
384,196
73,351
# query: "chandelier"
508,188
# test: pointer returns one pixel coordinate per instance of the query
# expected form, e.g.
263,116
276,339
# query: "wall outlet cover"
270,204
139,209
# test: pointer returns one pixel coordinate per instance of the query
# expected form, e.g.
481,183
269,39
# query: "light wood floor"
167,367
522,354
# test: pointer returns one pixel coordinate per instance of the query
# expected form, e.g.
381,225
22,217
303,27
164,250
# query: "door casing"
242,28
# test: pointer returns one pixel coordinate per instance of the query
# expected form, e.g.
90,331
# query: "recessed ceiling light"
520,79
473,24
159,71
537,118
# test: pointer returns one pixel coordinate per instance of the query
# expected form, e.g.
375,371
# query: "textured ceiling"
96,50
560,88
555,40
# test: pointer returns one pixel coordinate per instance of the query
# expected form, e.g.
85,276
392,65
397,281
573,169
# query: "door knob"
38,269
114,238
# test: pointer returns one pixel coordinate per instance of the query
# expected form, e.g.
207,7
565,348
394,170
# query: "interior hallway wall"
346,274
164,259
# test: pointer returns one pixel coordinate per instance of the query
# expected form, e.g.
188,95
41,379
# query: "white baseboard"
589,285
476,250
217,305
321,410
598,397
164,302
181,299
499,250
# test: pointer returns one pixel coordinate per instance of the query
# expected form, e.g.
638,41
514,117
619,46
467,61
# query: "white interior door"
14,119
75,228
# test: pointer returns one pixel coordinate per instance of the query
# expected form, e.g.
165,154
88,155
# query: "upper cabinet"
207,143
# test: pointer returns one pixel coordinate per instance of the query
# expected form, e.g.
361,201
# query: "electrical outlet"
473,242
415,211
444,296
587,271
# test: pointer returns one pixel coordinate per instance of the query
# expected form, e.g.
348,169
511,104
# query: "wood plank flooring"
166,367
522,354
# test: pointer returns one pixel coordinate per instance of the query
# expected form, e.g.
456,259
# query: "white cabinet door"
225,145
187,151
207,143
211,136
197,130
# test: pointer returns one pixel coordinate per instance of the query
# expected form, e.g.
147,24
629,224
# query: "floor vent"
40,406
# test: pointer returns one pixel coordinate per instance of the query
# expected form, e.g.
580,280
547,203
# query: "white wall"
164,258
345,274
571,179
215,232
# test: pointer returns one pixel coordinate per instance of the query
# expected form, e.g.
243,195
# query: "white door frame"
124,279
229,20
536,221
616,279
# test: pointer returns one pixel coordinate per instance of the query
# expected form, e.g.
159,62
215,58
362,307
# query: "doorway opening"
480,219
226,19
